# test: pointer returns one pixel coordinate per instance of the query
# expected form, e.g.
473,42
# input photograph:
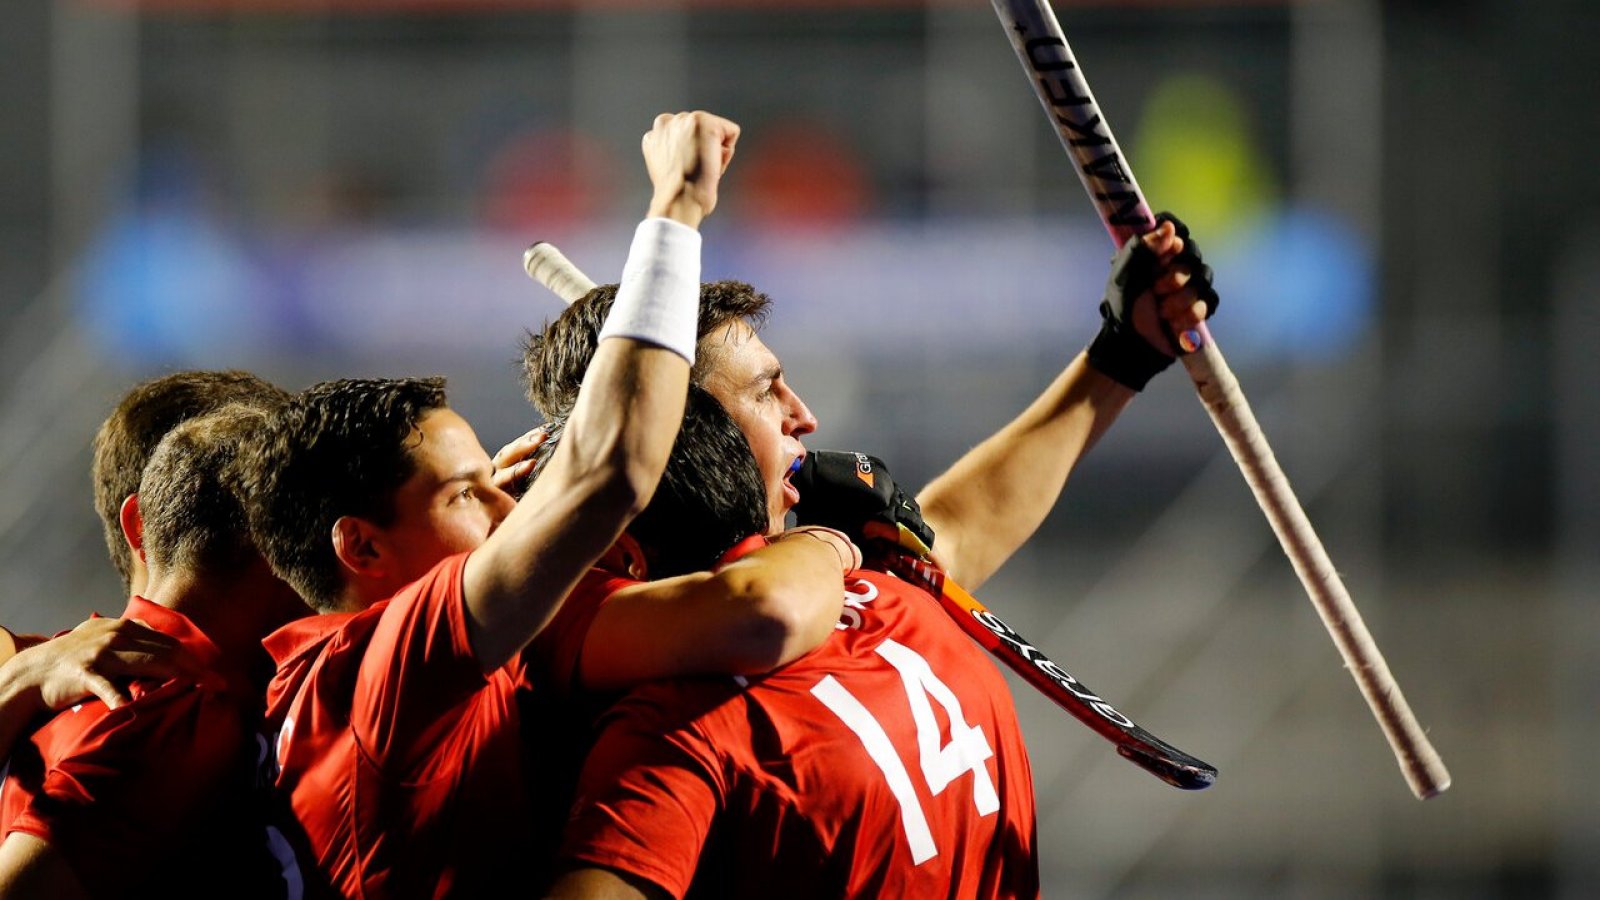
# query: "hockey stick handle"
1058,81
551,268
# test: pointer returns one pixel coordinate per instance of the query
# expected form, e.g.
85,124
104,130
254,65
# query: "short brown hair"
554,360
123,445
340,448
193,518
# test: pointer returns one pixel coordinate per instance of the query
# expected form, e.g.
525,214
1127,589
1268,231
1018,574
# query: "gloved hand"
851,492
1119,350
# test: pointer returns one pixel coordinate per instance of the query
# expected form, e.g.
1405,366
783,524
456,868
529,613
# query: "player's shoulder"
873,583
874,601
880,606
81,725
155,715
305,646
690,705
442,583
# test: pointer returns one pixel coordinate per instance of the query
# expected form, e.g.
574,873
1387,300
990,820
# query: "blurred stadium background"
1399,198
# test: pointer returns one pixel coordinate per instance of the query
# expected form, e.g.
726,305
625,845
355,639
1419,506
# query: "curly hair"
554,360
340,448
127,438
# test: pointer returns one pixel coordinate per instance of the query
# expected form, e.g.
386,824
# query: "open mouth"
791,494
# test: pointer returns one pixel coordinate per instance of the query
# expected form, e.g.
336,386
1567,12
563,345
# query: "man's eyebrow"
771,373
469,473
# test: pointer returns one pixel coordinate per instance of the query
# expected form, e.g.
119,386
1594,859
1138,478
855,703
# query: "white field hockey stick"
548,266
1048,61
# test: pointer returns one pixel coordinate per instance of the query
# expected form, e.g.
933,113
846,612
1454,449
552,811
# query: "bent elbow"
780,625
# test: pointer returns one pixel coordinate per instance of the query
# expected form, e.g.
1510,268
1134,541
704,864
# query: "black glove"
846,490
1118,350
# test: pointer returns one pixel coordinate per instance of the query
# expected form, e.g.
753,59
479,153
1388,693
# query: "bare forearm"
615,447
993,499
31,868
12,643
790,593
602,884
626,419
758,613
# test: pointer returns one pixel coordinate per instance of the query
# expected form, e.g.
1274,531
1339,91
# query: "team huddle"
362,658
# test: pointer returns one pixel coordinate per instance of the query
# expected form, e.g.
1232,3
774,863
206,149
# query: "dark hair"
128,437
554,360
340,448
710,497
193,518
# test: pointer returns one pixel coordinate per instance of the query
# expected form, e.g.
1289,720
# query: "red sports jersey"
398,755
886,763
558,715
157,797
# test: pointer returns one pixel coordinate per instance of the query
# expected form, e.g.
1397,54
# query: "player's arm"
622,427
763,610
85,662
595,883
30,868
12,643
994,498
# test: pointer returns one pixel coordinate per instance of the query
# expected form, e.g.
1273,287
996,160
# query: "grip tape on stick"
551,268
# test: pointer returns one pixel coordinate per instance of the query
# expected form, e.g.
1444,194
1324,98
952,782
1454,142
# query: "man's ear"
132,525
357,544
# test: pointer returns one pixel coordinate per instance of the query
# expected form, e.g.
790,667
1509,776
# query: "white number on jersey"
942,763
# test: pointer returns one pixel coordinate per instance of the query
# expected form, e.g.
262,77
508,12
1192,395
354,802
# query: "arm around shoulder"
757,613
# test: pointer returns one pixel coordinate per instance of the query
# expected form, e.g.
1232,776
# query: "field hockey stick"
908,559
1070,106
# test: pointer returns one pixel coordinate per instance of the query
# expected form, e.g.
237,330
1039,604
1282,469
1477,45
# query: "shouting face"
747,379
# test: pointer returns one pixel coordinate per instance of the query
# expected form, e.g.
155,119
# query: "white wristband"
658,299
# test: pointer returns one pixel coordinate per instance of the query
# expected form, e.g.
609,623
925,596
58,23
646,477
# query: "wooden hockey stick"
1059,83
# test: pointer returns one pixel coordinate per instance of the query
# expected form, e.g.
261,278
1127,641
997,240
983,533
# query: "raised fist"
686,154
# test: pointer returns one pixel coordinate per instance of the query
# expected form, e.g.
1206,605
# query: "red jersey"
398,756
888,762
156,797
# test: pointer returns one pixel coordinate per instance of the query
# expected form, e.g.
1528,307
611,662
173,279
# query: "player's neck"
235,609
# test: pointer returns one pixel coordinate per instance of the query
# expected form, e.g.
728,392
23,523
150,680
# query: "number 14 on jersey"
941,763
